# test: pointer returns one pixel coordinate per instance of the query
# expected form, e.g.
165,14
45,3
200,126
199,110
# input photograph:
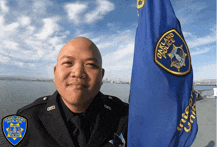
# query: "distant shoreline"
22,79
104,81
204,85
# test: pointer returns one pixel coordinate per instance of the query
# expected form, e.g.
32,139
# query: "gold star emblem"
177,57
14,130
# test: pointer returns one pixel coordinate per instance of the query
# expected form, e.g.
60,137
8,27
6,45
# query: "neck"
78,108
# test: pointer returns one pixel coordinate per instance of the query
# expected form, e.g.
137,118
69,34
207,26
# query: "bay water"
15,94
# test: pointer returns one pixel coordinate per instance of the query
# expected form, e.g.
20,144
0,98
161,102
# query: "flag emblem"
14,128
172,53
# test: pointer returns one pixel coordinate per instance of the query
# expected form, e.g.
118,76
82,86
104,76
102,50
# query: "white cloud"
200,51
50,26
75,11
21,64
39,7
10,29
2,21
3,6
205,72
24,21
4,59
122,52
54,41
103,7
7,44
202,41
114,41
199,45
30,29
188,11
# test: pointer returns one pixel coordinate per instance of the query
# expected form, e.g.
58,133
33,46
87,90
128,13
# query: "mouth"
77,85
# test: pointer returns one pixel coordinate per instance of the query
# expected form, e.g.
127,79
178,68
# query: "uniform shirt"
88,118
48,127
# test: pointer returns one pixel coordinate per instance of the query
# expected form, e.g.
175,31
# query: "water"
16,94
204,87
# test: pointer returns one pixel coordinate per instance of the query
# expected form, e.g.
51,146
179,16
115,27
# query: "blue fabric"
158,98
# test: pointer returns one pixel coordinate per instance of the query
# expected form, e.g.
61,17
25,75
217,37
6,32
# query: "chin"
78,98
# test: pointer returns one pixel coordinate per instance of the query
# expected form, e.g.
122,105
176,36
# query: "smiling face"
78,73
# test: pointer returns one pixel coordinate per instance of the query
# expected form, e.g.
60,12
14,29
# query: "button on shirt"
87,119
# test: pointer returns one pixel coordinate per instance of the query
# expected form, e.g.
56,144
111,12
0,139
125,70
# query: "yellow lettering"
140,5
191,118
165,40
193,112
188,129
182,121
159,55
178,128
192,94
165,49
169,42
161,45
168,37
186,116
164,55
171,34
172,40
190,102
194,107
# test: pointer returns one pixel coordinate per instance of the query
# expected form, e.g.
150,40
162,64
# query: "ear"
54,69
103,72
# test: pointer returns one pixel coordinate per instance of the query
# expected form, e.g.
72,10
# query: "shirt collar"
90,112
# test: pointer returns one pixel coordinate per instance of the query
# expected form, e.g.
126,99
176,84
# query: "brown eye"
67,63
92,65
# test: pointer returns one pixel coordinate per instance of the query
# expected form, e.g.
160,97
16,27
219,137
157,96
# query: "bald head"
81,44
78,73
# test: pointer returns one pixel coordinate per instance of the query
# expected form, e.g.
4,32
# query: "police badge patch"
14,128
172,53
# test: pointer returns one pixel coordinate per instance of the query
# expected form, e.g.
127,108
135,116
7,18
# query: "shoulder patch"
39,101
14,128
172,53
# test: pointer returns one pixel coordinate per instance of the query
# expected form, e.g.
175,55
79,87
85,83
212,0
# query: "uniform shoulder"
37,102
115,103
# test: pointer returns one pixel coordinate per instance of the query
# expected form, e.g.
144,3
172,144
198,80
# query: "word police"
165,45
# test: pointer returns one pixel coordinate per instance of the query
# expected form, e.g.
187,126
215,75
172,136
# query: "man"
77,114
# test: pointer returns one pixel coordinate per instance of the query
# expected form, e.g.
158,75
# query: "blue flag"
162,108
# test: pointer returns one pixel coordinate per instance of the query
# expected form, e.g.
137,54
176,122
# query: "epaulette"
39,101
114,103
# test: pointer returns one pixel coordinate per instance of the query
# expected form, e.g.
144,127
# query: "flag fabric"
162,108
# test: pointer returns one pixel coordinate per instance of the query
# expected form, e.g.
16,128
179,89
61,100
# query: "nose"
78,71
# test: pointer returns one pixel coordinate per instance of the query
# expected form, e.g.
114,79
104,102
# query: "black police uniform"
48,122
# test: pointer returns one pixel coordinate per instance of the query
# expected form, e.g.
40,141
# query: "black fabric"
88,118
78,131
47,128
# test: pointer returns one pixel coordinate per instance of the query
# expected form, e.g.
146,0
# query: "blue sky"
33,31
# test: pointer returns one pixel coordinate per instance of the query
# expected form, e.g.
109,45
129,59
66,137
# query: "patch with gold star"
14,128
172,53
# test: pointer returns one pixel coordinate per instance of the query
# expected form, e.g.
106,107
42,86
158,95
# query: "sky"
32,32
